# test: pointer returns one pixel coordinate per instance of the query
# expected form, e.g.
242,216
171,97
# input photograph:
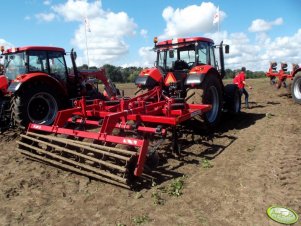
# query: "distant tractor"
36,84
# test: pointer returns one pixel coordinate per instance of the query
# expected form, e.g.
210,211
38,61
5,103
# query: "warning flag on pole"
216,16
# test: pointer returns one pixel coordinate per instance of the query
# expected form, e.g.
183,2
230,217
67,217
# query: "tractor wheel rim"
297,89
214,101
42,108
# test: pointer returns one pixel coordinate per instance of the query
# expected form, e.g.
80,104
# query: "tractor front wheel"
296,88
37,105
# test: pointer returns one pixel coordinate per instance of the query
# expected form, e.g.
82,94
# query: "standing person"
240,81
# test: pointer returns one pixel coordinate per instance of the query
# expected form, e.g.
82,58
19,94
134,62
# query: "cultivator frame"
278,78
118,133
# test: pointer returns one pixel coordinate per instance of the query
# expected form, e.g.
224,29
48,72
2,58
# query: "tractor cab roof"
37,48
178,42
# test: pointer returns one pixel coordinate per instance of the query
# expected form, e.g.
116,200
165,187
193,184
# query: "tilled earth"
231,177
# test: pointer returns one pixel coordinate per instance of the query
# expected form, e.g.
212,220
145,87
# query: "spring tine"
122,169
96,170
74,169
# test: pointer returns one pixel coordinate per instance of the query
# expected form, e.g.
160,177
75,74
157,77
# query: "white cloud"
143,33
74,10
46,17
256,54
260,25
47,2
108,30
27,18
189,20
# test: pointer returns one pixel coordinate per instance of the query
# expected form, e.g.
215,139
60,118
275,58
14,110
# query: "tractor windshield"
14,65
185,56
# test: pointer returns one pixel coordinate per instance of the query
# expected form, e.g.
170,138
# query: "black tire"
210,92
232,99
35,104
273,80
296,88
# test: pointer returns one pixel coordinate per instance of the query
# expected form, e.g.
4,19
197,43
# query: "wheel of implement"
273,80
296,88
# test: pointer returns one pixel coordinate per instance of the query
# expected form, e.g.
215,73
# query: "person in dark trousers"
240,81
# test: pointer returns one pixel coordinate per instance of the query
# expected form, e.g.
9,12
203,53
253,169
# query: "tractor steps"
108,164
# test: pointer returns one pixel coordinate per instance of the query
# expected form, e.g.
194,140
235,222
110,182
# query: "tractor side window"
14,65
37,61
57,65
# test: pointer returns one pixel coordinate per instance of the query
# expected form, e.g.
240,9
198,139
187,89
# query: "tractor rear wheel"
210,92
232,99
36,104
296,88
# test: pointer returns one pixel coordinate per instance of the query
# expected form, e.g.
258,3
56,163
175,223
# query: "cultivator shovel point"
106,140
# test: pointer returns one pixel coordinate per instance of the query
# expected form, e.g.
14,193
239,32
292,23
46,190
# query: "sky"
121,32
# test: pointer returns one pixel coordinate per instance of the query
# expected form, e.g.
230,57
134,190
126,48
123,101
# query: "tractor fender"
3,84
149,78
32,79
197,75
295,72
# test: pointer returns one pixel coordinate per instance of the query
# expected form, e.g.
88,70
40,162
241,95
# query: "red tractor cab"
37,83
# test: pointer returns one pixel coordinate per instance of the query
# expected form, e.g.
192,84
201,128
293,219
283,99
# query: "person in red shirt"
240,81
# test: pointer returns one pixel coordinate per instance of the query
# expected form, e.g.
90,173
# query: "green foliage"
175,188
141,219
158,200
205,163
249,74
120,74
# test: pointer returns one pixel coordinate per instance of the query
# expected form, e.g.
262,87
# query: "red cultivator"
109,126
113,139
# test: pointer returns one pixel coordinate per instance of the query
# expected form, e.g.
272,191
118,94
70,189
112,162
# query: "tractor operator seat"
180,65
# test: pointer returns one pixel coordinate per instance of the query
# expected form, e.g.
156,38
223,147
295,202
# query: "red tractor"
36,84
188,69
117,140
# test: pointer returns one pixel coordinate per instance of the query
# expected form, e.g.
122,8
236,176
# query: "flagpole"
87,42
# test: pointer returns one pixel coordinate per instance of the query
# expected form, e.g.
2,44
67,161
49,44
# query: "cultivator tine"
105,163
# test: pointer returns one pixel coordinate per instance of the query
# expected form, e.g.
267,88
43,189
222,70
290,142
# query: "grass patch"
175,188
206,164
141,219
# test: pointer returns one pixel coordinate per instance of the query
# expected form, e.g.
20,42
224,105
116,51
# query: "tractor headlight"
14,86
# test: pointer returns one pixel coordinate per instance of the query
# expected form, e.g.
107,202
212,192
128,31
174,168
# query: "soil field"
228,178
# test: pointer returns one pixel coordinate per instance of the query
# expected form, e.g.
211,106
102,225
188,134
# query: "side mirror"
171,54
227,49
